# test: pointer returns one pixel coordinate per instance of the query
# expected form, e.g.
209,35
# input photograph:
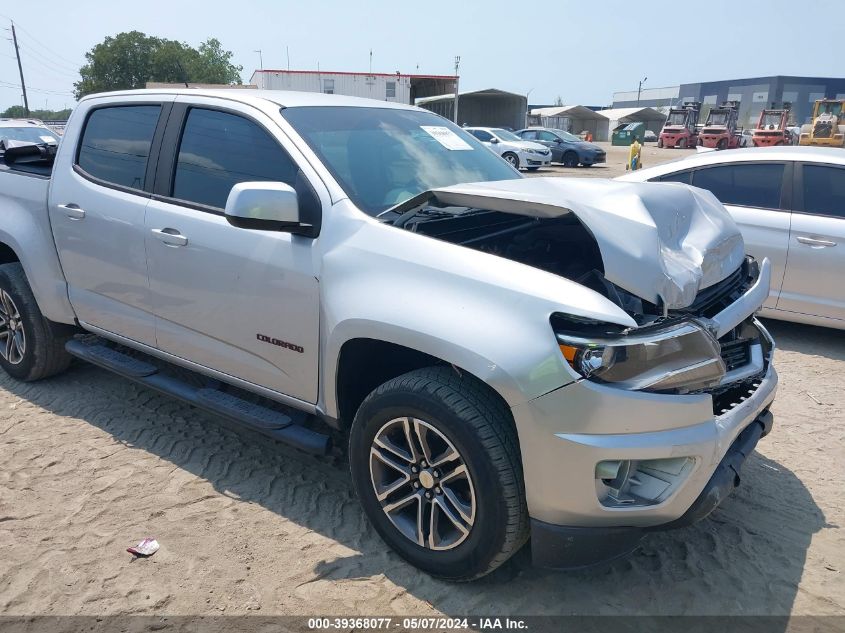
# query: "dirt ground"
91,464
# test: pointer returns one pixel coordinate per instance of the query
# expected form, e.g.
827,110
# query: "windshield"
831,108
28,134
771,121
504,135
718,118
566,136
677,118
382,156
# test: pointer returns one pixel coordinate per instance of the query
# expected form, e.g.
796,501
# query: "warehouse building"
486,108
754,94
381,86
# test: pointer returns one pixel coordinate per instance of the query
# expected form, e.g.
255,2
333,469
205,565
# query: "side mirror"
494,140
265,206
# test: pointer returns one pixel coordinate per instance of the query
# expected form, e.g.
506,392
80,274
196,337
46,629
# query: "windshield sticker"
446,137
48,139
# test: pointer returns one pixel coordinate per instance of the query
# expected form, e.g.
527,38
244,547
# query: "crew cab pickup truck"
575,362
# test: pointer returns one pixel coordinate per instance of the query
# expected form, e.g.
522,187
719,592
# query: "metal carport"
572,118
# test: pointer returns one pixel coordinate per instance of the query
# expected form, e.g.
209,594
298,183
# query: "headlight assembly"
681,357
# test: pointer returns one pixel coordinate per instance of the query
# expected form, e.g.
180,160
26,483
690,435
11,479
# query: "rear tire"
723,144
570,159
682,143
660,143
31,346
427,414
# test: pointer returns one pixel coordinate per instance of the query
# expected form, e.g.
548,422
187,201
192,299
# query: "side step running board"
274,424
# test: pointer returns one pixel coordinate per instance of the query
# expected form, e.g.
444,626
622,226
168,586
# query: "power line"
60,59
33,51
54,70
14,86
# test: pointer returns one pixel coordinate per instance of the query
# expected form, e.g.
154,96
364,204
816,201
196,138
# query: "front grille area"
726,399
736,354
712,300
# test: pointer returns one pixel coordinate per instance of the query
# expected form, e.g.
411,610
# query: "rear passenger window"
824,190
218,150
678,176
116,144
755,185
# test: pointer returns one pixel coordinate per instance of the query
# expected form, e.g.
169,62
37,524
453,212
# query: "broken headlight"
682,356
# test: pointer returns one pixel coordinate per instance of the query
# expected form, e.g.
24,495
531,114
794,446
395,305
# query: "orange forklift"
720,130
680,129
772,128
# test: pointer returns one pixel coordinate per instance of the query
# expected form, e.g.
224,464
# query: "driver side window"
547,136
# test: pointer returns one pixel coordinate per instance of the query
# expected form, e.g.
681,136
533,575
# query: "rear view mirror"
267,206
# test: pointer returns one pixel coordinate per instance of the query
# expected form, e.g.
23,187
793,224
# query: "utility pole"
20,69
457,81
640,89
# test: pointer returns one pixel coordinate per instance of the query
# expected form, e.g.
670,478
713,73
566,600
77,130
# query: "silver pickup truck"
572,361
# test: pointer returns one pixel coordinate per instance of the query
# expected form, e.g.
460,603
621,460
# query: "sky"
579,51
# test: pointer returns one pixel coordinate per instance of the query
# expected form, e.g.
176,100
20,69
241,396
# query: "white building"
381,86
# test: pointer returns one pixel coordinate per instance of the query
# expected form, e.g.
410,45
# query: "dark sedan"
566,148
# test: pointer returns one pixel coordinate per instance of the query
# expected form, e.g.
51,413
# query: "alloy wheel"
422,483
12,335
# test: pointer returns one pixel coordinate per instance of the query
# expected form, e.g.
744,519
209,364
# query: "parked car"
521,154
649,136
789,203
503,363
27,130
566,148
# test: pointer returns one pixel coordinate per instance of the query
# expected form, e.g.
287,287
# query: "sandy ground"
92,463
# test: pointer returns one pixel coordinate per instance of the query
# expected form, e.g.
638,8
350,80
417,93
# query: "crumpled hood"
660,241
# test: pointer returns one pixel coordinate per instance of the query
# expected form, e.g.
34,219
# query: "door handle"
171,237
809,241
73,211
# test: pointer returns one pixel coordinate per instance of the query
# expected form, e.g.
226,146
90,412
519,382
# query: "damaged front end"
669,256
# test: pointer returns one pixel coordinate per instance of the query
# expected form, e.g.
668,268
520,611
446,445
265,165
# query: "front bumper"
593,159
563,547
565,434
534,160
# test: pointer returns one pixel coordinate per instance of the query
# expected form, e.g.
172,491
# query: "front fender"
485,314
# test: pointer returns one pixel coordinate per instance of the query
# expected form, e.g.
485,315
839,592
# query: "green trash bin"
626,133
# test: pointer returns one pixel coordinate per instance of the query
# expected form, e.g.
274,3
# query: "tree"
130,60
17,112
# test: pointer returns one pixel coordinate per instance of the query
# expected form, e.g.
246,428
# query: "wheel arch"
364,363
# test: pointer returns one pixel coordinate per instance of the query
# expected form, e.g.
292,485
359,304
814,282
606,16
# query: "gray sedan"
566,148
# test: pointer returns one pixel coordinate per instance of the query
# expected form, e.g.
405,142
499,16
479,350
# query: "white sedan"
521,154
789,203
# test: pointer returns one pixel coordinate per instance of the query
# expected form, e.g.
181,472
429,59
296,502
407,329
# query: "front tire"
435,463
512,158
570,159
31,347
